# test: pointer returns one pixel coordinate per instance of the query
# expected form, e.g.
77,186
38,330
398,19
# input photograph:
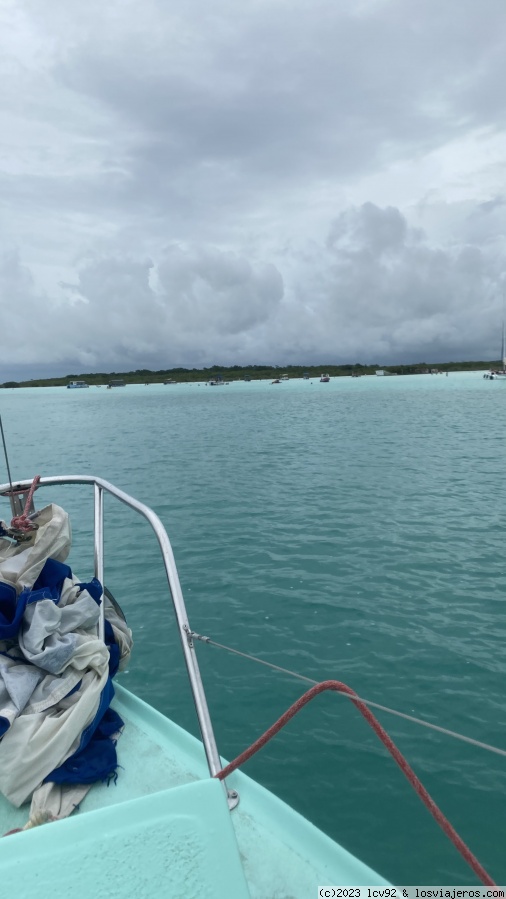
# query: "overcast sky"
279,181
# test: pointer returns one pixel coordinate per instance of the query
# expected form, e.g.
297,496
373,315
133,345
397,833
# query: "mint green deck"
165,830
169,844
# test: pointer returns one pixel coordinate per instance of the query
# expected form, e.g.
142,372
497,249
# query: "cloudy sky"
194,183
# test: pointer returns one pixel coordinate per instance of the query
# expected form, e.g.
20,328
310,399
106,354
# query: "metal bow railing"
100,486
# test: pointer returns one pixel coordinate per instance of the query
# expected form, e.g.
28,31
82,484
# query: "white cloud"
207,291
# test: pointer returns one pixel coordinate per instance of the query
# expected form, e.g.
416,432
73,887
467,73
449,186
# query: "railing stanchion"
99,551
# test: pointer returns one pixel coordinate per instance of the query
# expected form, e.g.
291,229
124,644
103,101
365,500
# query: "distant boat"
284,378
277,381
306,376
498,374
116,383
324,379
76,385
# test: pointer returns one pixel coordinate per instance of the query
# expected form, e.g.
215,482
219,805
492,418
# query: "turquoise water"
350,530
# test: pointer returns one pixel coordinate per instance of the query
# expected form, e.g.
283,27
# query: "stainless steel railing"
190,657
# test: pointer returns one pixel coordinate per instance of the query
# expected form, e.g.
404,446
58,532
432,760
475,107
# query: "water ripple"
351,530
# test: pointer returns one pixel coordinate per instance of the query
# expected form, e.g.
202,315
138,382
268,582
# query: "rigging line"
387,742
369,702
6,456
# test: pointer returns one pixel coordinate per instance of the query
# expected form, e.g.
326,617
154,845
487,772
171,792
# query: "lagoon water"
351,530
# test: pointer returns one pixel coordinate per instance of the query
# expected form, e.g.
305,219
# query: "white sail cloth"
21,565
53,674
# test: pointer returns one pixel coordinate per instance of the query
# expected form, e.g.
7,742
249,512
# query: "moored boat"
500,373
76,385
324,379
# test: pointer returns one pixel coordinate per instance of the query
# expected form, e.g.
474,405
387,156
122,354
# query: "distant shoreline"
253,373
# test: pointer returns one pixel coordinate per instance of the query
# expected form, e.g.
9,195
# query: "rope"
339,687
368,702
22,522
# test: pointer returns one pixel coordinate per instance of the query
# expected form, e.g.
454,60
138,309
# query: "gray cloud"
218,184
377,290
208,291
373,290
192,304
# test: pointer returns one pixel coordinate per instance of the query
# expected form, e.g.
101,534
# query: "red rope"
22,522
394,752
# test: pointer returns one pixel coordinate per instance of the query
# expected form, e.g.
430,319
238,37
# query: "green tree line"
252,372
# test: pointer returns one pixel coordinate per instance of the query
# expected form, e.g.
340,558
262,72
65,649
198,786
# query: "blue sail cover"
97,760
11,611
56,724
96,757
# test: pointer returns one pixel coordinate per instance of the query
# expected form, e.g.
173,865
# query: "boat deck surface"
165,829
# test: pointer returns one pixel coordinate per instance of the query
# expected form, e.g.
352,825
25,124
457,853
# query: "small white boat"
284,378
324,379
76,385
